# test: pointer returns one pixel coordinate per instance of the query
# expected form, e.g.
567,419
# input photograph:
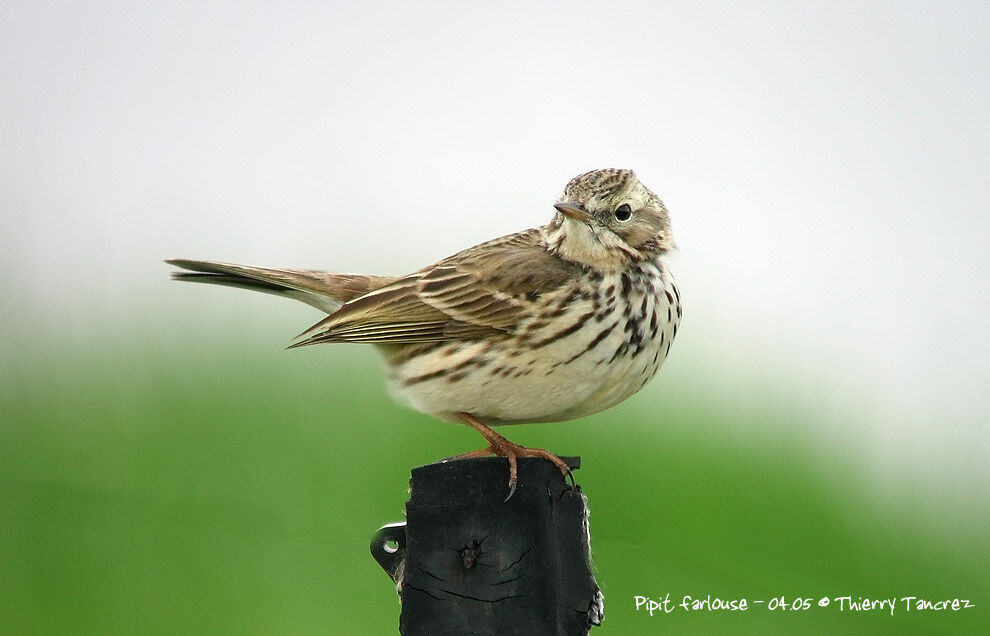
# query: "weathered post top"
467,562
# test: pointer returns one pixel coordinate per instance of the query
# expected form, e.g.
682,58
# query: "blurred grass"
159,487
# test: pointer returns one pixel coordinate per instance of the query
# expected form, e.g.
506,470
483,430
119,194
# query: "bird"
545,325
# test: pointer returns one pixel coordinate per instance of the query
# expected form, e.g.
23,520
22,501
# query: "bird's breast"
583,348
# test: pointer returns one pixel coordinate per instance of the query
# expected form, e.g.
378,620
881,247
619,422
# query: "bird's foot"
501,447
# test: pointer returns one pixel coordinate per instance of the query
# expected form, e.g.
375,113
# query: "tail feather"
324,290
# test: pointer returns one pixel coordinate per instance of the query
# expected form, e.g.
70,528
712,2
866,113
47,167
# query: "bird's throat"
586,245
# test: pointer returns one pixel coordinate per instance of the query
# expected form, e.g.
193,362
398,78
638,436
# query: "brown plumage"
546,324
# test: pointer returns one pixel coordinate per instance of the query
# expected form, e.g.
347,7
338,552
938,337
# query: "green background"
155,483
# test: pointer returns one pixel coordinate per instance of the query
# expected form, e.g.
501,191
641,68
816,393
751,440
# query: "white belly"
606,347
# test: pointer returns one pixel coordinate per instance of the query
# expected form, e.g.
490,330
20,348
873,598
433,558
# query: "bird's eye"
623,212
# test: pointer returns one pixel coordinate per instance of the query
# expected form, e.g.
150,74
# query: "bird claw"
498,445
512,491
570,477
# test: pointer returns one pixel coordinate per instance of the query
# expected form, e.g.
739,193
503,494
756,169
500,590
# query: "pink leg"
498,445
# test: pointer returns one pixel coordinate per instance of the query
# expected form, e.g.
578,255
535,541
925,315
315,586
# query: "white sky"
825,164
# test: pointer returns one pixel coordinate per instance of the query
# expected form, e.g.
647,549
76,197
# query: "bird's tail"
323,290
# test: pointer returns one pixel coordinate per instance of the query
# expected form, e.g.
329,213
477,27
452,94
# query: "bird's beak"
573,209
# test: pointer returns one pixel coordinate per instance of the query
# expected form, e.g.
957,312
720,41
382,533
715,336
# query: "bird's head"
606,219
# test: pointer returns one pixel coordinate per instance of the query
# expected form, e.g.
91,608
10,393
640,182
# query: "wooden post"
467,562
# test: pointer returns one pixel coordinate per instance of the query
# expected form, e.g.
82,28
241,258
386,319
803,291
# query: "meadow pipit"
545,325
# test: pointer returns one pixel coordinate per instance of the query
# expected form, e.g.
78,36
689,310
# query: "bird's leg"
498,445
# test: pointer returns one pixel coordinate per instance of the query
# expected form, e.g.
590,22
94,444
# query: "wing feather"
483,291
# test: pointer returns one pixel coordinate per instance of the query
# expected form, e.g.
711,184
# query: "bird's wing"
482,291
323,290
